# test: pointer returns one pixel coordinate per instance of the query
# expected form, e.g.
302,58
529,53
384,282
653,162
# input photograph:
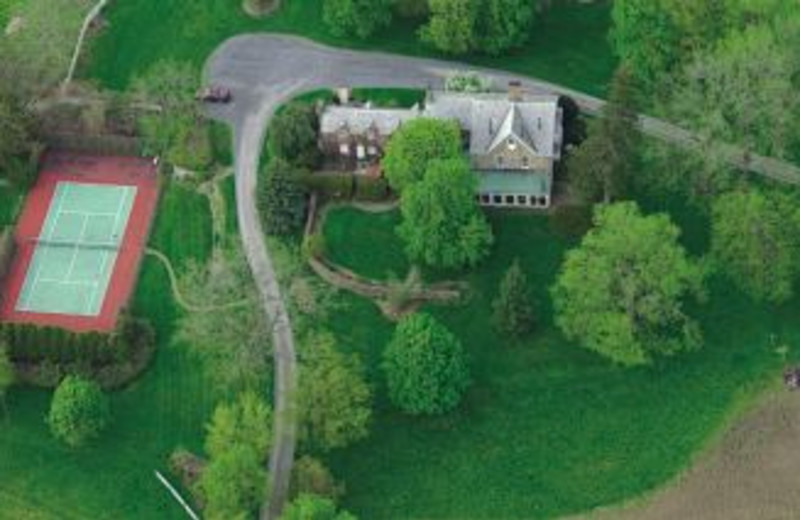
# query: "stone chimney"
343,93
515,91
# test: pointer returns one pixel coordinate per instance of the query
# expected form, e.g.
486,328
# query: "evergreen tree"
513,313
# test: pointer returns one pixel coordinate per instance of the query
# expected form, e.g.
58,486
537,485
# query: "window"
543,201
522,199
485,198
360,152
526,162
509,199
532,201
499,161
372,150
344,149
497,199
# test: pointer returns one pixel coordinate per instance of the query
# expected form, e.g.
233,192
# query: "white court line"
95,292
61,194
76,250
88,213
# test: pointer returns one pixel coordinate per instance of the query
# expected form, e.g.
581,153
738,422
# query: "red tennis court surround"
65,167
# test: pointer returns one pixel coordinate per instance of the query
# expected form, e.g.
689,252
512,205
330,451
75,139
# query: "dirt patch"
751,475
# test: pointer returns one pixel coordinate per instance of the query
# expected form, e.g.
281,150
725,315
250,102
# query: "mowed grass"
113,478
568,43
364,243
7,10
547,428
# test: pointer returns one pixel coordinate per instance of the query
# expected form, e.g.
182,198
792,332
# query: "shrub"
309,475
336,186
571,221
371,188
79,411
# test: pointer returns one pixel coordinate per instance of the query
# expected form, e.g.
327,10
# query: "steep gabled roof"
512,130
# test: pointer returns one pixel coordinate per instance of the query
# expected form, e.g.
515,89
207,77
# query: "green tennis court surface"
77,249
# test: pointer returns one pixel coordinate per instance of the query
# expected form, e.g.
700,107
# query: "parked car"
215,94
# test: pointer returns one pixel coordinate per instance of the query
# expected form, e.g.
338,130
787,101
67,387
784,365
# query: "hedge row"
43,355
348,186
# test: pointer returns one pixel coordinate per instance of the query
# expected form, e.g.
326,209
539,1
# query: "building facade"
512,139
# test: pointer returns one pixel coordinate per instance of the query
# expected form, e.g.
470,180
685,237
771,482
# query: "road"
265,70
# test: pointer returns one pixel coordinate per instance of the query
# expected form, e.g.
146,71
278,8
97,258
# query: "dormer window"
512,144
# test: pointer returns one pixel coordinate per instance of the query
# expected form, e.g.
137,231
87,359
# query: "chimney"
343,93
515,91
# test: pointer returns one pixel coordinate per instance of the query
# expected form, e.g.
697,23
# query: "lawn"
7,8
547,428
166,408
568,44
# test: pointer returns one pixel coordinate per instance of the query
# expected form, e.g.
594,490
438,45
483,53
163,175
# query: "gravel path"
265,70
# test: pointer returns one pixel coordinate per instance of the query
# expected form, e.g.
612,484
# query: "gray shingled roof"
359,119
491,116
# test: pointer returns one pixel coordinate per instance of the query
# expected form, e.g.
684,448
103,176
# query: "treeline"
453,26
44,355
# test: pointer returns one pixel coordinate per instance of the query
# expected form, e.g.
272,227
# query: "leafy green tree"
333,398
310,476
426,367
755,241
247,421
602,167
176,126
232,484
647,39
7,376
79,411
503,25
452,26
360,17
417,143
17,126
621,292
442,223
513,312
743,91
292,135
311,507
282,198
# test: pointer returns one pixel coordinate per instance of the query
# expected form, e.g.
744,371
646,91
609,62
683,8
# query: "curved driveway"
265,70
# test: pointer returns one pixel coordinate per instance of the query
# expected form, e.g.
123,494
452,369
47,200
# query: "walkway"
264,70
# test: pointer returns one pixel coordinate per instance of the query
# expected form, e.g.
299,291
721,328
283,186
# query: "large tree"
282,198
333,398
360,17
79,411
602,167
755,240
426,367
443,226
229,332
417,143
17,126
246,421
175,125
312,507
621,293
452,27
512,309
503,25
232,484
292,135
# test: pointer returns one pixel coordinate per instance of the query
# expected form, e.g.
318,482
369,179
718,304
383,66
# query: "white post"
177,496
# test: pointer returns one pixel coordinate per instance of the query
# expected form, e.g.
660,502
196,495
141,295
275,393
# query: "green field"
568,44
547,428
166,408
7,8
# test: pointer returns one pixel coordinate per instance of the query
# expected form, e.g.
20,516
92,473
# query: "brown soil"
751,475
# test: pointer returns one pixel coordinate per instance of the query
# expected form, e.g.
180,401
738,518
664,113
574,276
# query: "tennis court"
77,249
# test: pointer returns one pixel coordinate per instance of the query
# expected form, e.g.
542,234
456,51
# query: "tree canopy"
452,25
360,17
755,241
512,309
621,292
79,411
292,135
417,143
443,226
7,376
333,398
312,507
232,484
426,367
282,198
246,421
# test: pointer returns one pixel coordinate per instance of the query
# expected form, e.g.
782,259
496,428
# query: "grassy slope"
568,44
166,408
549,428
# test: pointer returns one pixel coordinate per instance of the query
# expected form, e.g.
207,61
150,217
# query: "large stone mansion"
513,139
